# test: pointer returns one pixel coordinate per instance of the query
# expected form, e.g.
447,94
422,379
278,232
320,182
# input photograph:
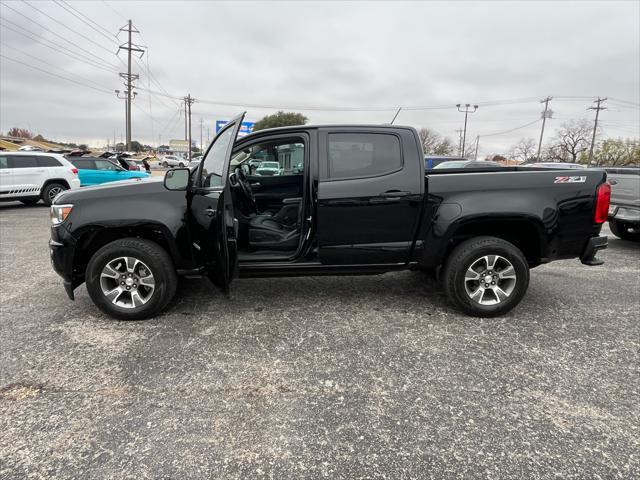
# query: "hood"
123,188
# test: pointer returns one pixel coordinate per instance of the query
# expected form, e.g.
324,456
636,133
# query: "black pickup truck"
324,200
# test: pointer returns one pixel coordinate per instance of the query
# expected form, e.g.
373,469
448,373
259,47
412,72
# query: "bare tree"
570,141
524,150
434,144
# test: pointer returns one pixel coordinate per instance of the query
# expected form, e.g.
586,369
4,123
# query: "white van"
34,176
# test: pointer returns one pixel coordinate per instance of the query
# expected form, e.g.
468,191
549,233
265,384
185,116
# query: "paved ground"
356,377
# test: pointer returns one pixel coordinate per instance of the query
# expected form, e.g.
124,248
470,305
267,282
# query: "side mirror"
177,179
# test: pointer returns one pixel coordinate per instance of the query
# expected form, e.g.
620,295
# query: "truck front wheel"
131,279
486,276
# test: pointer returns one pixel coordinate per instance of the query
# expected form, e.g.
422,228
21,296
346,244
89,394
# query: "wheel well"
522,234
90,242
49,181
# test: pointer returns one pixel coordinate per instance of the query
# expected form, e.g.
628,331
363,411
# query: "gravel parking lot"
339,377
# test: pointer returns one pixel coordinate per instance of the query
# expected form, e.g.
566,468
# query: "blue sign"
245,129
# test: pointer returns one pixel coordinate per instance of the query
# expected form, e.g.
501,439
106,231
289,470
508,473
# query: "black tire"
624,231
165,164
50,191
181,165
465,256
153,256
30,201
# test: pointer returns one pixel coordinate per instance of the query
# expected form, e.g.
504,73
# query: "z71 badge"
570,180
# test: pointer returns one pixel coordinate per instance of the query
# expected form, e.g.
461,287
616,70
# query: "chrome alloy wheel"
54,191
490,280
127,282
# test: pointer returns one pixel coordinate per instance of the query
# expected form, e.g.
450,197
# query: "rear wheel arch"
49,181
525,234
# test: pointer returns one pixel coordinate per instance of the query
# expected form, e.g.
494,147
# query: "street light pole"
466,112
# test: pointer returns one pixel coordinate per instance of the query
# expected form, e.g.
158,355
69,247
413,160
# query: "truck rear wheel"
131,279
625,231
486,276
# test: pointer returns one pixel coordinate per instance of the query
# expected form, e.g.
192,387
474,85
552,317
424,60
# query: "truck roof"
333,125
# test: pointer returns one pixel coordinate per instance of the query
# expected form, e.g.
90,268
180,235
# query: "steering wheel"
242,184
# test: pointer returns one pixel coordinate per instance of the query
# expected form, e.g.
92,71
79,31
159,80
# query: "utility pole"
475,157
597,108
466,112
546,114
459,132
188,101
184,100
129,77
201,146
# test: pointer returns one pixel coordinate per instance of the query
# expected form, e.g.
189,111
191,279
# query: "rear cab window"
359,155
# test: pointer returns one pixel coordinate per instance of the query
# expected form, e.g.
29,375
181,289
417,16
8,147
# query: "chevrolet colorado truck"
347,199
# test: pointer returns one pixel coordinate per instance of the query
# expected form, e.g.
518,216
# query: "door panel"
369,220
270,191
211,215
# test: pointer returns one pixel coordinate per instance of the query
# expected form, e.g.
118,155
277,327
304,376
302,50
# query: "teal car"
94,171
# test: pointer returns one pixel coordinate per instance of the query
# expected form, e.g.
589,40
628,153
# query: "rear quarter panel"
560,212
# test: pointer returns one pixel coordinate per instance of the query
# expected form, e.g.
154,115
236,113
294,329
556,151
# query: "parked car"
624,212
268,169
34,176
468,164
371,209
29,148
172,161
432,161
95,171
564,165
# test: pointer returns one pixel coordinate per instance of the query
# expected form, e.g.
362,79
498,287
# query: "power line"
81,16
511,130
55,75
69,28
52,65
102,60
114,10
64,51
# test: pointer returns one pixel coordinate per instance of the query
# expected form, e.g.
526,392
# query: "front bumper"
61,251
594,244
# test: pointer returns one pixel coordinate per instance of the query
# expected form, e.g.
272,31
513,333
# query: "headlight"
59,213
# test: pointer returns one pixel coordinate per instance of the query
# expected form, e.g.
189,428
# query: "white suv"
172,161
32,176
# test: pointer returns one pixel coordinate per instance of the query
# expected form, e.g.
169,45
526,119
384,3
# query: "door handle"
395,194
256,184
209,212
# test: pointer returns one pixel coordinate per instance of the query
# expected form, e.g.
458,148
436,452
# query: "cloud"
360,54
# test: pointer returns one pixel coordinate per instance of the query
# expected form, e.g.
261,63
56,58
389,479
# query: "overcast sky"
504,56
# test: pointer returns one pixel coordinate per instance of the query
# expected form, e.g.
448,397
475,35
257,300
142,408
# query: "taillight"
603,197
74,171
